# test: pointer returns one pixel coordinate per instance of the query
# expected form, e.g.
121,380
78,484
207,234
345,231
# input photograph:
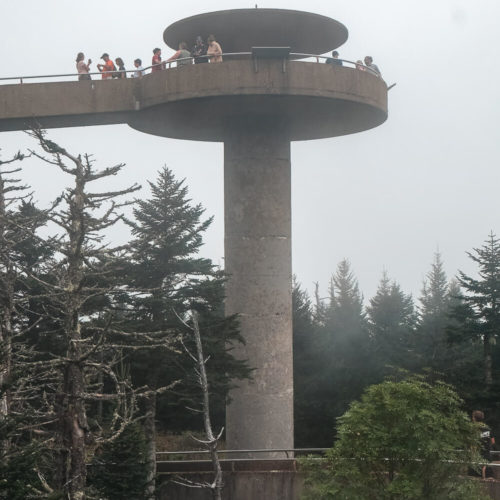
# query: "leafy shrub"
404,440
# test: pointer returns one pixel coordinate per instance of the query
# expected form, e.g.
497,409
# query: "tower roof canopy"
239,30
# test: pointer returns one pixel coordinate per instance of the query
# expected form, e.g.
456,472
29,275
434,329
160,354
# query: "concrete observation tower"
257,107
257,101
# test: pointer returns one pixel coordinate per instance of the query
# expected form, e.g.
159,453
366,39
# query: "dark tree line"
342,345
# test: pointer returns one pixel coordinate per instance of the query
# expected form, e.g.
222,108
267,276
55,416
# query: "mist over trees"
95,339
343,344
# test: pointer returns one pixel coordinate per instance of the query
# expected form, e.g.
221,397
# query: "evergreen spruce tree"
305,351
344,364
320,308
434,310
345,318
392,323
119,471
477,316
459,363
455,363
168,278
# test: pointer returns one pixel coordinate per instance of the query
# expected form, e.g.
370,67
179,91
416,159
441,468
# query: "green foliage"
404,440
18,480
344,348
392,323
119,469
477,315
345,315
167,278
24,464
436,302
337,365
456,363
305,369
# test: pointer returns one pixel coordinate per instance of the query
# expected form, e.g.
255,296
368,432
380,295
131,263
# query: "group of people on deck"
335,61
201,52
209,52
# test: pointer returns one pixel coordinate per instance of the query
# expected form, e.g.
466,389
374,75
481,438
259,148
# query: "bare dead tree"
211,442
24,412
8,274
81,278
71,302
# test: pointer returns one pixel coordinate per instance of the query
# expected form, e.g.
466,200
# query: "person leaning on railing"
121,73
334,60
359,65
371,65
199,50
182,54
214,50
139,70
156,64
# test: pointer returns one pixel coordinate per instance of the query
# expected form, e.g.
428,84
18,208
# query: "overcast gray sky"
386,199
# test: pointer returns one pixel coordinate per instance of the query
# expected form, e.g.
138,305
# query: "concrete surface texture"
239,30
200,102
257,217
275,485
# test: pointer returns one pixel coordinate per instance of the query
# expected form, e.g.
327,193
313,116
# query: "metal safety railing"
289,453
185,61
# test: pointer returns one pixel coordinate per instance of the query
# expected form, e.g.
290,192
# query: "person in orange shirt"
107,68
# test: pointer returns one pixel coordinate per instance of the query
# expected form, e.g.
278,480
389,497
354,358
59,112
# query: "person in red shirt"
156,63
107,68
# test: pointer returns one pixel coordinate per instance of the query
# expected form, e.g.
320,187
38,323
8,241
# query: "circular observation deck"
312,100
239,30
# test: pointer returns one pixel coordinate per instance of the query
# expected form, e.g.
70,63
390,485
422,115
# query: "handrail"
259,450
361,66
286,451
169,64
227,460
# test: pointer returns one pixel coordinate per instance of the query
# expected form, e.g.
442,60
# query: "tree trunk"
7,306
75,418
488,371
61,456
6,340
217,483
6,361
150,431
75,432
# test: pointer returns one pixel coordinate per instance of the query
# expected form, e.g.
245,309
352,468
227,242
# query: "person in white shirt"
139,70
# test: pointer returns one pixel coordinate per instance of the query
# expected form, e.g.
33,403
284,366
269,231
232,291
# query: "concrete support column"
257,192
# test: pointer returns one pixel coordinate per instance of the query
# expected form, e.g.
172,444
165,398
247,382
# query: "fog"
388,198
